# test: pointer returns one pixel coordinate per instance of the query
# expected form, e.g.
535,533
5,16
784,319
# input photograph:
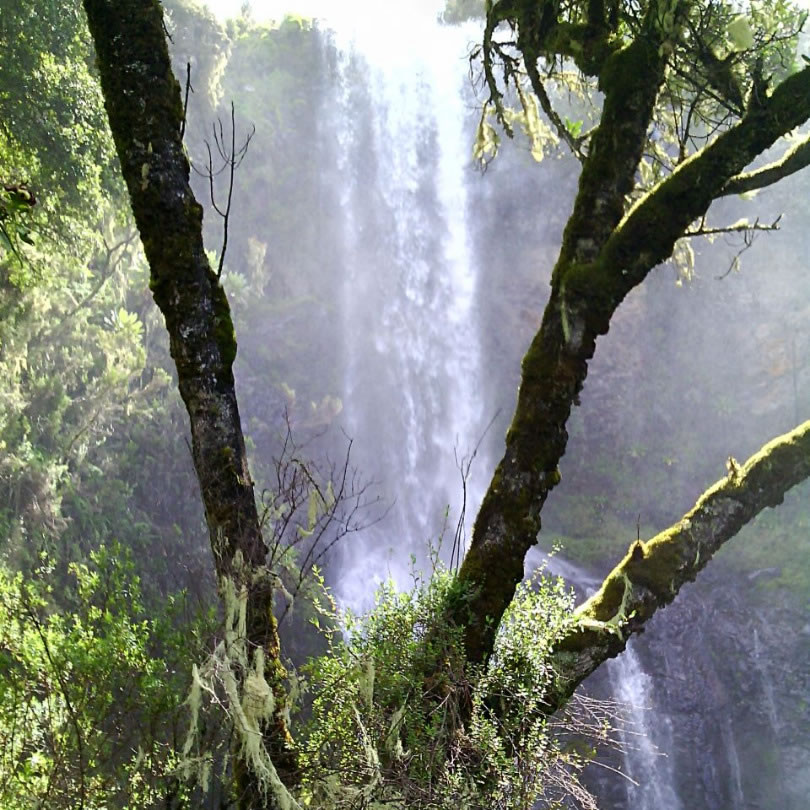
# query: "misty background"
384,288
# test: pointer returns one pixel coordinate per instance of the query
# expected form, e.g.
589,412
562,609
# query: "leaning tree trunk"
143,103
606,252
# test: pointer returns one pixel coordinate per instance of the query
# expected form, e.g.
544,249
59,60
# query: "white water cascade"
735,771
412,364
646,737
412,360
768,689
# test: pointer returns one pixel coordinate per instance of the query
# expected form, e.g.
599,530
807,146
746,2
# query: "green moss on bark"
224,330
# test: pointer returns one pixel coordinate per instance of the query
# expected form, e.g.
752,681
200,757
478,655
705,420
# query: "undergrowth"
392,716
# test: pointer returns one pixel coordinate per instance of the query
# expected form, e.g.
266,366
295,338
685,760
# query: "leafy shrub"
399,720
87,693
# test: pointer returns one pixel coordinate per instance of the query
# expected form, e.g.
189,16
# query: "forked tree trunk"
606,252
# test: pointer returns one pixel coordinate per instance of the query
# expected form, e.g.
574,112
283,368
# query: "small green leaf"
574,127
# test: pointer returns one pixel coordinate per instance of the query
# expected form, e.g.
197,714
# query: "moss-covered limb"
508,522
585,38
652,572
142,99
631,79
795,159
648,233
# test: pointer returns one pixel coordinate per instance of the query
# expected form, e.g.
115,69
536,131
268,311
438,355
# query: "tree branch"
743,226
555,366
652,572
574,144
601,260
663,215
794,160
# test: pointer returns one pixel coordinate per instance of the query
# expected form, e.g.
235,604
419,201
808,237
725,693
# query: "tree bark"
143,103
652,572
606,252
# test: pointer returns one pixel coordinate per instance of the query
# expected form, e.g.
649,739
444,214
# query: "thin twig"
737,227
231,160
189,89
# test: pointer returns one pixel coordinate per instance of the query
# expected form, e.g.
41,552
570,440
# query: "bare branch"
189,89
231,158
744,226
464,466
495,95
747,229
310,509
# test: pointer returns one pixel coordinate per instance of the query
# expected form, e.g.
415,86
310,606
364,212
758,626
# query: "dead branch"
231,158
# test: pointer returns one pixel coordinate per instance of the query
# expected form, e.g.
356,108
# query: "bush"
399,720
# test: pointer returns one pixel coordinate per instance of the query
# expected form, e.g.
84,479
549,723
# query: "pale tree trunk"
143,103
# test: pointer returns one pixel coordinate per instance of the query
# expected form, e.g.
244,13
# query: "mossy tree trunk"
143,103
607,250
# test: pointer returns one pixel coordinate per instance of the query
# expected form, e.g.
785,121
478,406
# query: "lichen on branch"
652,573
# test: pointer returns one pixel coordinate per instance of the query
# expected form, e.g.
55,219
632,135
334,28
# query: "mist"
385,285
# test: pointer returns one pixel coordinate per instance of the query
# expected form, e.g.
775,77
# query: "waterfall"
412,368
736,788
645,734
767,685
651,782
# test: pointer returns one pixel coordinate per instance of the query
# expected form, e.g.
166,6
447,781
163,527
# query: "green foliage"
83,352
88,703
54,134
720,63
72,362
399,719
75,322
16,202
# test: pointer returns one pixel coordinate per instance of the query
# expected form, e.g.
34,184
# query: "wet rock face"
729,669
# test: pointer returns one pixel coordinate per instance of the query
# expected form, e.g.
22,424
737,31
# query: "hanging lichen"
237,684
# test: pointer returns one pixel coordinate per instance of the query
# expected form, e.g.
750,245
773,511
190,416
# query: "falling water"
412,360
737,795
767,684
651,783
412,369
645,736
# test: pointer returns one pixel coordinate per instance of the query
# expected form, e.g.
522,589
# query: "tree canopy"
619,229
